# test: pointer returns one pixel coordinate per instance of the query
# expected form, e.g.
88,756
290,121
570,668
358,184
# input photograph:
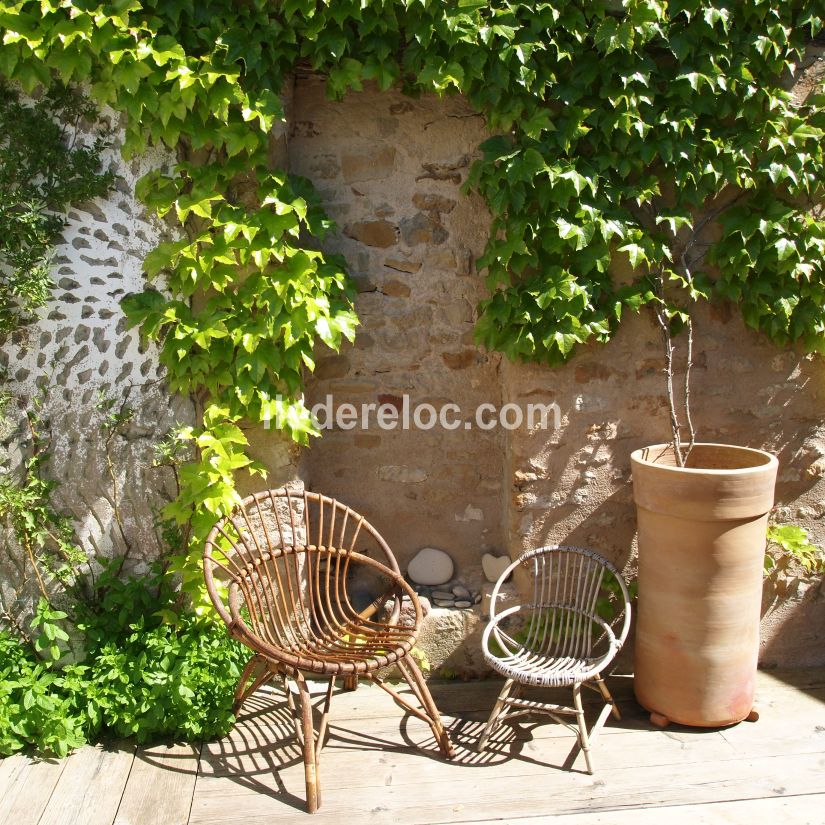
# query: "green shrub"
149,671
38,703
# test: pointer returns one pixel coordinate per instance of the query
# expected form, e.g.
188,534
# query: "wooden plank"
27,785
781,700
478,696
271,727
396,760
386,755
8,769
799,679
473,700
799,810
160,786
90,787
450,697
382,767
396,763
449,795
793,717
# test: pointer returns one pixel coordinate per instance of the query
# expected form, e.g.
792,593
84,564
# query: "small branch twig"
711,216
688,365
667,342
115,494
30,553
19,628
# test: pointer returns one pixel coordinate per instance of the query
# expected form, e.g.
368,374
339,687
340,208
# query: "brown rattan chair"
566,633
311,588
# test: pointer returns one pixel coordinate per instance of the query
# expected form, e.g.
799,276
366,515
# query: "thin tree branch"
688,365
667,342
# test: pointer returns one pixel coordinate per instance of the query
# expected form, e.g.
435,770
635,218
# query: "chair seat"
530,668
355,648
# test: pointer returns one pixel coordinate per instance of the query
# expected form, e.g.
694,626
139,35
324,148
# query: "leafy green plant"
154,670
244,350
789,544
675,120
42,170
150,671
46,622
38,703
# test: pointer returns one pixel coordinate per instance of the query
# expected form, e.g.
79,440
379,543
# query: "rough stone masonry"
389,170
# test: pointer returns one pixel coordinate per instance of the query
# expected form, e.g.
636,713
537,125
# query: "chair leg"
584,740
602,686
322,726
296,716
411,672
242,692
313,789
350,682
494,714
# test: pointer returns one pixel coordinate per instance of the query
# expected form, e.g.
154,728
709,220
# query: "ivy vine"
620,131
41,173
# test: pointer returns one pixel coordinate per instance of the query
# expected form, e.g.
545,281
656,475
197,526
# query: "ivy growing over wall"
621,130
41,173
150,669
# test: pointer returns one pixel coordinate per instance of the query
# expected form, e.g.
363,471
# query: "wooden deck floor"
381,767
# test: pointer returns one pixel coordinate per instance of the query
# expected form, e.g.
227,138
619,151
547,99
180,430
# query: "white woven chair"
560,637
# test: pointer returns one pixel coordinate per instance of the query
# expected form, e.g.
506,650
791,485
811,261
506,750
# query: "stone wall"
389,170
576,486
80,354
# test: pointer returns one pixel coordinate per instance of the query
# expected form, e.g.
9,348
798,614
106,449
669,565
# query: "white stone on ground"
430,566
443,594
494,566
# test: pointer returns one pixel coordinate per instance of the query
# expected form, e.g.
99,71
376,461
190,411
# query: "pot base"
661,721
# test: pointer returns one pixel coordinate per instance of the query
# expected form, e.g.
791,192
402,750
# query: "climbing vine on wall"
618,129
41,173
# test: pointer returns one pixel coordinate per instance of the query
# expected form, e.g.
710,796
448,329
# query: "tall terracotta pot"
701,549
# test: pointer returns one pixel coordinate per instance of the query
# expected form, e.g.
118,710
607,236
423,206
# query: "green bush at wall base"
149,673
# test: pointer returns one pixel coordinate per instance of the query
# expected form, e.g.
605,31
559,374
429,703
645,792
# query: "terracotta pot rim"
768,461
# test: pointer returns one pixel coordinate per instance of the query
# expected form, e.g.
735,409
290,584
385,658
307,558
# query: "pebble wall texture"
80,354
389,170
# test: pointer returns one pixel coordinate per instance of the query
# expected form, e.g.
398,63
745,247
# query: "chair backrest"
577,600
303,564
